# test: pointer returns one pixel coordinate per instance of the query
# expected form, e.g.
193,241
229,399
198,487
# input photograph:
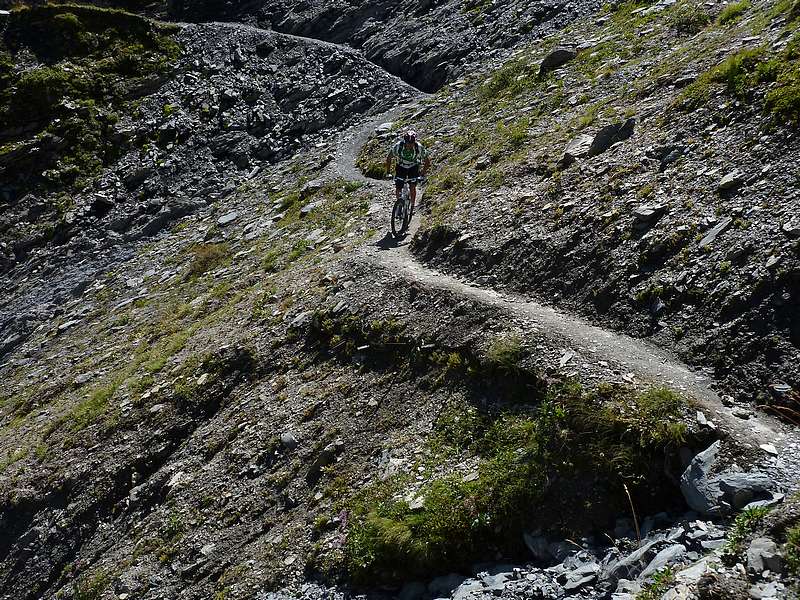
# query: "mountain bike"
401,211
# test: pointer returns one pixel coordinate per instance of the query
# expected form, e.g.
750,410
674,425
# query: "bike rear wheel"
398,218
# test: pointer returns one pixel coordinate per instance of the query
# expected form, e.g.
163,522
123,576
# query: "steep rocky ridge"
169,142
425,43
275,399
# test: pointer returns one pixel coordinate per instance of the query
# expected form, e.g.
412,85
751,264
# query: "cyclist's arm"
389,159
426,166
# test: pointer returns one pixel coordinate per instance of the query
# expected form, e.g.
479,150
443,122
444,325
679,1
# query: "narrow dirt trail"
648,363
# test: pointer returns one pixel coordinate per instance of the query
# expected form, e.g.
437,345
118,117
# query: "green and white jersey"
409,157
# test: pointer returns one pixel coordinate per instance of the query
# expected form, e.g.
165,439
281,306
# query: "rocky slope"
425,43
130,149
266,396
618,188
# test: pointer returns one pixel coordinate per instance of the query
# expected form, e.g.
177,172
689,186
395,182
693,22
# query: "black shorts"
409,173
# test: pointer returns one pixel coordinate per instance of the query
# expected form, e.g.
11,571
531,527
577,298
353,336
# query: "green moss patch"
572,454
733,12
89,58
744,73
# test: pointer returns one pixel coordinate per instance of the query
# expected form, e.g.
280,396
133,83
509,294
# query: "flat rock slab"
719,228
227,218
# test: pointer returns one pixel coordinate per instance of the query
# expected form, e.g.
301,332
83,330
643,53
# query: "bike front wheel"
398,218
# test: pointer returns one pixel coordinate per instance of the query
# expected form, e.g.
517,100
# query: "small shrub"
737,71
505,353
792,549
733,12
512,79
794,11
92,408
662,582
745,524
688,19
38,92
527,458
784,100
91,587
206,257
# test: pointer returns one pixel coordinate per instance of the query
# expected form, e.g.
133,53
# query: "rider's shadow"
389,242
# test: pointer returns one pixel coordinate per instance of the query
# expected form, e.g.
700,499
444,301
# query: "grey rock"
700,495
302,320
538,546
414,590
766,590
724,492
557,58
792,228
668,556
288,440
308,208
715,231
467,589
227,218
445,585
610,135
311,188
577,148
763,555
649,212
324,458
739,489
732,180
630,565
83,378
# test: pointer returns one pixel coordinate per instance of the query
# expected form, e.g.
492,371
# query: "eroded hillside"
266,395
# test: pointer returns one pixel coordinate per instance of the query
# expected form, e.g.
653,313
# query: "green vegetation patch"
91,57
742,73
733,12
662,582
571,454
206,257
792,549
745,524
688,18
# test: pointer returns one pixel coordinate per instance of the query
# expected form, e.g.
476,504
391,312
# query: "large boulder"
724,492
610,135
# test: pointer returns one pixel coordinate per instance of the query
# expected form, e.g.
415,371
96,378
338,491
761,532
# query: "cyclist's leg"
398,184
413,185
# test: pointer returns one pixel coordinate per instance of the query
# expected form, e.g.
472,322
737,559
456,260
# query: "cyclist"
410,156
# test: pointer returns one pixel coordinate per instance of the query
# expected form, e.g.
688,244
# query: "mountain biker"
410,156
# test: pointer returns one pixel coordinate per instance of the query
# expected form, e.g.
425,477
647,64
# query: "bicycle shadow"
389,242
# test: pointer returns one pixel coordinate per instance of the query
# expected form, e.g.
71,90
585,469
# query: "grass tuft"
733,12
526,457
206,257
745,524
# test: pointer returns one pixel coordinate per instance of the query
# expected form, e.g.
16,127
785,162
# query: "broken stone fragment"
649,212
610,135
763,555
732,180
719,228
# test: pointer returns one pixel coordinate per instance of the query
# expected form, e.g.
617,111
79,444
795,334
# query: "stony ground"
270,397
